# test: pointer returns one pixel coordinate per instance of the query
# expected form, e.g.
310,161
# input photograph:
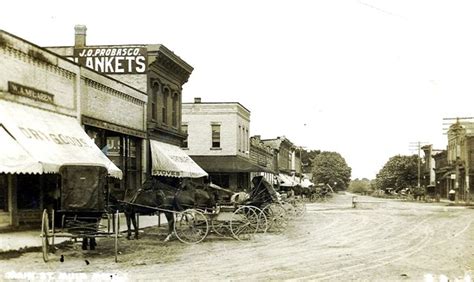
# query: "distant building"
218,141
288,157
460,158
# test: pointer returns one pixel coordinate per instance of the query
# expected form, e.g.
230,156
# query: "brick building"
49,108
460,159
161,74
288,163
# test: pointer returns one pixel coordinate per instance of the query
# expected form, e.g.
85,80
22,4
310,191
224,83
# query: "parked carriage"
83,205
192,212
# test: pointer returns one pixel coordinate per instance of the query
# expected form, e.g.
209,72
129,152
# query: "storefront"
34,145
54,112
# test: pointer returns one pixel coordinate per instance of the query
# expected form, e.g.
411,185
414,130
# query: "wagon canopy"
46,140
170,160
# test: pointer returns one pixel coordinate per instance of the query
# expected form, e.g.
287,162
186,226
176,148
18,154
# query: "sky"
364,78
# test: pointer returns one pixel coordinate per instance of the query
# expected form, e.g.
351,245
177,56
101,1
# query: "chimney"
80,36
197,100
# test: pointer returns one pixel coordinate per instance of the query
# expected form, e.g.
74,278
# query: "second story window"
184,130
165,106
174,113
154,101
216,135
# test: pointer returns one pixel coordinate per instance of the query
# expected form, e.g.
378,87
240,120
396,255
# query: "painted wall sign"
30,92
113,60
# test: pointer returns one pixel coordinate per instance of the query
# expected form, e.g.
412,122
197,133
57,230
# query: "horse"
167,199
419,193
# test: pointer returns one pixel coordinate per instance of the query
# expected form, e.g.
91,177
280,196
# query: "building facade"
460,159
69,99
288,157
218,140
151,68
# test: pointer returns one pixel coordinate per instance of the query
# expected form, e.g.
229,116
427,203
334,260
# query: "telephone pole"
417,146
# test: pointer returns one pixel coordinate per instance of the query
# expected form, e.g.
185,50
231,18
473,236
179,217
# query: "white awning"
50,139
286,181
170,160
306,183
13,158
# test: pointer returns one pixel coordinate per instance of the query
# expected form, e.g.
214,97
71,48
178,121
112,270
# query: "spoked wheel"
244,223
289,209
300,208
191,226
45,235
262,222
221,228
116,234
277,217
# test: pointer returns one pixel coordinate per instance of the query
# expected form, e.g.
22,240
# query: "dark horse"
167,199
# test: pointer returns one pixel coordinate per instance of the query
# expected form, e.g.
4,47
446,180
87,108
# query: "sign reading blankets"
113,60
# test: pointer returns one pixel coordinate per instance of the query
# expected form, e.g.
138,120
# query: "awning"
228,164
306,183
13,159
286,180
170,160
50,139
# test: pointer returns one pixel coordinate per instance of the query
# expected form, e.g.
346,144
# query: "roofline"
215,103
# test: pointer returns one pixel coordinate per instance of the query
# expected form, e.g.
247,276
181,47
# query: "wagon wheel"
191,226
44,235
300,208
276,215
221,228
116,234
290,209
262,221
244,223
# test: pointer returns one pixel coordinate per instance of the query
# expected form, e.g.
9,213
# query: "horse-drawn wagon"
83,205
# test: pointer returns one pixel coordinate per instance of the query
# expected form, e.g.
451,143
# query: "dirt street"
379,241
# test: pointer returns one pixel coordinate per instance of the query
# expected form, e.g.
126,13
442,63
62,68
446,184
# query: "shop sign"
30,92
112,60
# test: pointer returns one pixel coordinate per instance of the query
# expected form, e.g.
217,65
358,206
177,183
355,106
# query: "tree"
331,168
398,172
362,186
307,159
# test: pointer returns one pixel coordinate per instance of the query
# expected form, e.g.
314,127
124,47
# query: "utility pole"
418,145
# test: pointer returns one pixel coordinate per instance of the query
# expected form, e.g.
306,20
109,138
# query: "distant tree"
399,172
361,186
307,159
331,168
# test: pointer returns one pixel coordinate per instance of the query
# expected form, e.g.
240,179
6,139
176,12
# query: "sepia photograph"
265,140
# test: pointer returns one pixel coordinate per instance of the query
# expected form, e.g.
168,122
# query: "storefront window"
28,192
125,152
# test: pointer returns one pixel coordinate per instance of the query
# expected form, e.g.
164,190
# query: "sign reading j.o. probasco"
112,60
30,92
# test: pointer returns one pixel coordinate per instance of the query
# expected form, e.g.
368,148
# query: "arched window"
155,89
175,110
166,94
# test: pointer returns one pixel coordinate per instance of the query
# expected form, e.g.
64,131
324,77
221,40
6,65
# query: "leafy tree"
331,168
399,172
307,159
361,186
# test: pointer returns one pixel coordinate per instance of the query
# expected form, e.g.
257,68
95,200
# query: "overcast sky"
363,78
